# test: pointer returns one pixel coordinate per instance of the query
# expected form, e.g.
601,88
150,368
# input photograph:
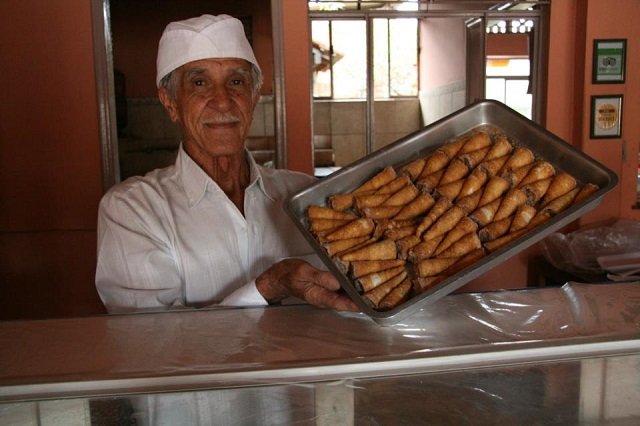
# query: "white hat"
203,37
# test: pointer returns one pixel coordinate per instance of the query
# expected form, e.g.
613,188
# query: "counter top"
215,348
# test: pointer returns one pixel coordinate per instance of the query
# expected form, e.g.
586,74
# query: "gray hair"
169,82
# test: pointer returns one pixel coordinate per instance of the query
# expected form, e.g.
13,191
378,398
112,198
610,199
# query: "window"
508,82
340,58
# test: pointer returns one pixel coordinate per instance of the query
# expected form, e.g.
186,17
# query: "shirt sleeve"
136,265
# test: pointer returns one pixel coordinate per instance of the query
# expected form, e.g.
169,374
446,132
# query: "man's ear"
169,103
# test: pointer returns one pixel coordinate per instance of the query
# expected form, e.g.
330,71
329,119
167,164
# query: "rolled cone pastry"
422,284
419,206
318,225
385,224
404,245
485,214
466,260
473,158
536,190
494,166
382,178
449,190
464,227
541,217
495,229
476,141
369,200
562,203
470,202
498,243
394,186
374,279
500,148
429,182
397,296
561,184
464,245
398,233
519,157
585,192
356,228
360,268
424,249
341,202
380,250
433,266
510,202
474,182
516,175
402,197
434,162
380,212
337,246
452,148
377,294
446,222
495,188
321,212
413,168
540,170
457,169
441,205
522,217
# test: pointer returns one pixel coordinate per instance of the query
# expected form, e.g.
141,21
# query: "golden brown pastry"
521,156
380,250
470,202
585,192
444,223
424,249
434,162
495,229
500,148
429,182
462,246
474,182
402,197
485,213
456,170
374,279
493,166
420,205
449,190
441,205
477,140
522,217
382,178
398,295
495,188
510,202
337,246
321,212
360,268
377,294
464,227
561,184
539,170
356,228
433,266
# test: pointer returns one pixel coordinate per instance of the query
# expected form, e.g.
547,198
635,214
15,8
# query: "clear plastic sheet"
468,357
577,252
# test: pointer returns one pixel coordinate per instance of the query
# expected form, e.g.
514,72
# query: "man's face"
213,105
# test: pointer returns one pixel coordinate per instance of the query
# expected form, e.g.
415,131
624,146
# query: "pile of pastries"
406,229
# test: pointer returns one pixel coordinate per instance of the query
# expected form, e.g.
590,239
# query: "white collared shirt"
173,238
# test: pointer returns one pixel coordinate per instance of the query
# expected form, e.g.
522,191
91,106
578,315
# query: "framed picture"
609,61
606,117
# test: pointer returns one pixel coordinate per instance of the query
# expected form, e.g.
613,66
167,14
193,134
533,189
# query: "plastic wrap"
577,252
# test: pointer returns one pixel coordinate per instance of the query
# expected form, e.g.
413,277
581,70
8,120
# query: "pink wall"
50,167
443,55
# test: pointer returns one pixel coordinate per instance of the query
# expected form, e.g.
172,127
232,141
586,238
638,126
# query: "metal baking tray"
518,128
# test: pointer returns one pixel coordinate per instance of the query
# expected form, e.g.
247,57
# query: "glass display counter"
566,355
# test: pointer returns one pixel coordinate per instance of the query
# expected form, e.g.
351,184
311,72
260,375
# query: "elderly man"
209,230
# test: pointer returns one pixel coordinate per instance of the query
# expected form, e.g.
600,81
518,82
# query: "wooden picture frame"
609,61
606,117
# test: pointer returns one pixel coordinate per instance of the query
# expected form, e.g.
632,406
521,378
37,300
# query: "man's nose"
219,98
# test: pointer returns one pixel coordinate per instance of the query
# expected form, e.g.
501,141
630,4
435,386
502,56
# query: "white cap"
203,37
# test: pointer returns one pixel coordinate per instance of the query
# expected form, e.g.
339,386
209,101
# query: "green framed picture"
609,60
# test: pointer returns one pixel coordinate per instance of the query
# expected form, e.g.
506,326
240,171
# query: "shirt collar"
196,182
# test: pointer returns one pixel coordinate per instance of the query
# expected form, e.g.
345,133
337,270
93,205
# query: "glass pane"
350,64
321,50
517,96
508,67
403,57
380,58
495,89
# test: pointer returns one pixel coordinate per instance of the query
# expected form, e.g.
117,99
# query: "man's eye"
198,82
237,81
